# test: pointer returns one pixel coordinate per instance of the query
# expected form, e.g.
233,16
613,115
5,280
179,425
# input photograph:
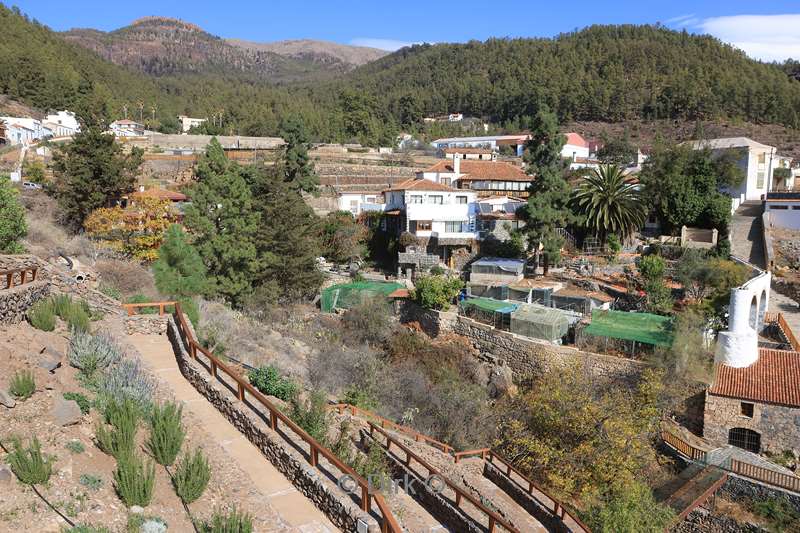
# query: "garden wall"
336,505
525,356
15,302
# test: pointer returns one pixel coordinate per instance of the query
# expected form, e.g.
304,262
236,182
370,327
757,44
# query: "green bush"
91,481
137,523
166,433
652,267
134,480
192,477
230,522
75,446
629,510
42,315
118,440
142,299
360,398
268,380
83,528
22,385
28,464
191,309
92,353
312,415
82,401
436,292
780,514
75,313
110,291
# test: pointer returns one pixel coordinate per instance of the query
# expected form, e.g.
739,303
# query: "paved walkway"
747,234
778,303
287,501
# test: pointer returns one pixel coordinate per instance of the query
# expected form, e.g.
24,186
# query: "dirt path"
291,505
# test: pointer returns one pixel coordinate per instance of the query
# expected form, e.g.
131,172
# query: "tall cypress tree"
548,204
12,219
179,270
298,168
223,222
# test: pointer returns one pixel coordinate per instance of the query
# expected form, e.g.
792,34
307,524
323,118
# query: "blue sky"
767,29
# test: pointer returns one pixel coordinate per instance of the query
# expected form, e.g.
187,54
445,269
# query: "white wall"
571,151
784,218
738,347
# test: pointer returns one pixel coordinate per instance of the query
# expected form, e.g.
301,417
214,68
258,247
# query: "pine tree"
179,270
92,172
287,239
222,220
12,219
298,168
548,204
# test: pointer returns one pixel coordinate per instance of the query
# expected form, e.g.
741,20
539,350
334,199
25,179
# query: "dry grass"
128,277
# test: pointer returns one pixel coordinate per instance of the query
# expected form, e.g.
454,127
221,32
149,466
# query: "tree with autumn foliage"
137,230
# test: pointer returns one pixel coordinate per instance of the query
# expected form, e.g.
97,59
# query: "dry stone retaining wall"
146,324
15,302
336,505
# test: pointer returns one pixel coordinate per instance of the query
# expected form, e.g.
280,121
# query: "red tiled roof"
400,293
415,184
576,139
774,378
467,150
163,194
483,170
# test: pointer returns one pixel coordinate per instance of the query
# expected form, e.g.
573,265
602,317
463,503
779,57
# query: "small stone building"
756,407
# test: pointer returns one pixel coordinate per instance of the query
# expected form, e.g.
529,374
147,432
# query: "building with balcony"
358,202
486,178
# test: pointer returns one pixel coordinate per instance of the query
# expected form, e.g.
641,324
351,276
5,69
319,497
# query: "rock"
153,525
66,412
5,474
6,399
501,381
49,359
135,509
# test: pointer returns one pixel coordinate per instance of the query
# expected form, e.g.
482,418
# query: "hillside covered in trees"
602,73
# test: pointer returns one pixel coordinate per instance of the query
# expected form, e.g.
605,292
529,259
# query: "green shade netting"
640,327
346,295
488,305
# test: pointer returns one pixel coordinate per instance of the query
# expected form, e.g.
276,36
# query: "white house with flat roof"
358,202
432,209
62,123
188,123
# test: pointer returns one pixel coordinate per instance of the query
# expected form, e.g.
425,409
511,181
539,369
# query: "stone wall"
702,520
15,302
778,425
746,491
525,356
337,506
146,324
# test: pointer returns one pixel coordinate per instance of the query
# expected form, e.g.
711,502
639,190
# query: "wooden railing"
554,506
493,518
777,318
758,473
162,307
11,276
244,389
385,422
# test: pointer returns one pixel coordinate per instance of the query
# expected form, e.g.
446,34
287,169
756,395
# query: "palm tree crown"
610,202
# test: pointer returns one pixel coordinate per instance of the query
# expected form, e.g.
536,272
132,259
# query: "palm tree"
610,202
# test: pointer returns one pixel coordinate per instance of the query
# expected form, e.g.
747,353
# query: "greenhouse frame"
346,295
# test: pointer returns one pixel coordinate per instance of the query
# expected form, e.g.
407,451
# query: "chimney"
456,165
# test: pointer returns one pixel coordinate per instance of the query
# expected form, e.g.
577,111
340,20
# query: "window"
445,181
760,179
795,207
421,225
371,199
746,439
415,199
455,227
746,409
461,199
778,207
762,159
435,199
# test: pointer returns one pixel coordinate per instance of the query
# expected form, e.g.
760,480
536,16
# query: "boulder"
6,399
6,474
66,412
49,358
501,382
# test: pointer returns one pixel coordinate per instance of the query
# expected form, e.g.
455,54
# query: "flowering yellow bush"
137,230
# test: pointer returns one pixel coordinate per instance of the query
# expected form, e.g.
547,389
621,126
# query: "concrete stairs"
747,233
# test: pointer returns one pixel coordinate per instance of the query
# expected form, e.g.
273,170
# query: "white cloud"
682,20
383,44
765,37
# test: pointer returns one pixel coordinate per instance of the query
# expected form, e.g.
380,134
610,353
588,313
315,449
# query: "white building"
486,178
126,128
427,209
576,147
16,133
480,154
492,142
188,123
358,202
758,161
62,123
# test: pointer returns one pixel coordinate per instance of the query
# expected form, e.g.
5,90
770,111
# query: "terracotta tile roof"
400,293
467,150
576,139
482,170
163,194
774,378
415,184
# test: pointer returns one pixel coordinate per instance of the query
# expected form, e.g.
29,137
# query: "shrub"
360,398
80,399
42,315
436,292
179,269
83,528
75,446
91,481
372,466
118,440
268,380
369,320
142,299
312,415
614,245
91,353
652,267
780,514
191,309
166,433
22,385
75,313
629,510
138,523
191,477
230,522
127,277
28,464
110,291
126,380
134,480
